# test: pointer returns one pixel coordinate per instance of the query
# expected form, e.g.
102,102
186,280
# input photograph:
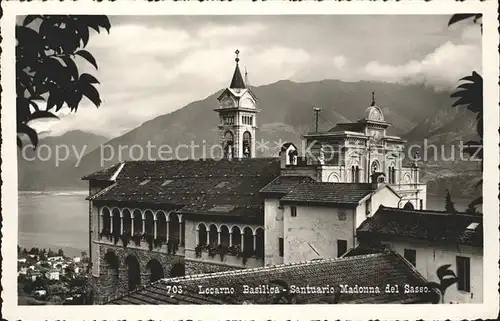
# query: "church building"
150,220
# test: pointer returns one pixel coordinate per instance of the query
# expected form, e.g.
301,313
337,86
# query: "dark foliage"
470,95
449,206
446,278
46,70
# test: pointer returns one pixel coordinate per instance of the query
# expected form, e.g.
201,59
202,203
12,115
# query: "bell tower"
237,114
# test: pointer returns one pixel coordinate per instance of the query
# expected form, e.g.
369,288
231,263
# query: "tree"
46,48
60,252
470,95
446,278
449,205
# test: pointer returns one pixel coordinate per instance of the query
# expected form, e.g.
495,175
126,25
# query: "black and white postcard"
287,160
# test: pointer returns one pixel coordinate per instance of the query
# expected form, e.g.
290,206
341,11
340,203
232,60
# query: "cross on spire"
237,52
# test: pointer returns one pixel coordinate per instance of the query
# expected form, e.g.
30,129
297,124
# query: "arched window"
161,225
213,235
149,217
224,236
393,175
155,270
116,218
173,228
236,236
353,174
127,222
259,243
248,241
408,206
357,174
247,145
228,145
133,271
106,221
137,222
202,234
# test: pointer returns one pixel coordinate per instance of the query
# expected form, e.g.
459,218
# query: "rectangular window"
293,210
341,247
463,273
281,246
411,256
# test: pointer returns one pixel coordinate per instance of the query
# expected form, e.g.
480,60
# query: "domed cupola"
374,113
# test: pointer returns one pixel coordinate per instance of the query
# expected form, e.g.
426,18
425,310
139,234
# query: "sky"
152,65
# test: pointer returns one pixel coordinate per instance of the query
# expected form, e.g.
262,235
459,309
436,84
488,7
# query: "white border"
488,309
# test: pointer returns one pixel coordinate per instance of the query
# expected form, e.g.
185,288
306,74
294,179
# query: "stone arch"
247,144
111,264
127,221
236,235
407,179
408,206
133,272
137,221
106,220
224,235
248,240
259,242
334,178
155,270
116,221
177,270
213,234
202,233
149,222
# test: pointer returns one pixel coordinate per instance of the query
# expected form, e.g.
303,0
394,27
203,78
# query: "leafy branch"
46,72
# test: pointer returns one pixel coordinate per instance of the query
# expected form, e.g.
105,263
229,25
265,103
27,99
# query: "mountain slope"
286,114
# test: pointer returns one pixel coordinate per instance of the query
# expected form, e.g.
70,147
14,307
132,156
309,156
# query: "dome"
374,113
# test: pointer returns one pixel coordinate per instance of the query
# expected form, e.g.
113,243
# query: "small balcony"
141,241
231,256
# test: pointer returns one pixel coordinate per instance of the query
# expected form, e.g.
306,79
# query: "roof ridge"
275,266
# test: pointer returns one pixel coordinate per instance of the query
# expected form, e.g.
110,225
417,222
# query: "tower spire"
237,81
247,83
373,99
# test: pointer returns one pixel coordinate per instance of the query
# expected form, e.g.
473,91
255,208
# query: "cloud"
150,68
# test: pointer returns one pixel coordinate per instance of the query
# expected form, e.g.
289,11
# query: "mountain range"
416,112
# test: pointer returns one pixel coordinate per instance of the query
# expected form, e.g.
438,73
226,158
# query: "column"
132,220
242,240
230,238
121,224
180,231
111,223
154,228
168,227
254,242
143,226
101,223
197,236
218,237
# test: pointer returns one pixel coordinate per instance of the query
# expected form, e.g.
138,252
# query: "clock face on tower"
227,103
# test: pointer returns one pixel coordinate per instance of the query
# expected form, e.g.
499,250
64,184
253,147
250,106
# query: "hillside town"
48,277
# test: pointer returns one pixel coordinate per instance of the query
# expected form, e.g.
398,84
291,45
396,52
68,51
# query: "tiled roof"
329,193
434,226
350,127
196,186
285,184
104,174
373,270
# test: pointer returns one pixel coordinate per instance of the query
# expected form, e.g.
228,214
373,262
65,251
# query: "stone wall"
113,280
196,267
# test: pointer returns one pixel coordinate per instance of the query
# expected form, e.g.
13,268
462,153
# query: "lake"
60,219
